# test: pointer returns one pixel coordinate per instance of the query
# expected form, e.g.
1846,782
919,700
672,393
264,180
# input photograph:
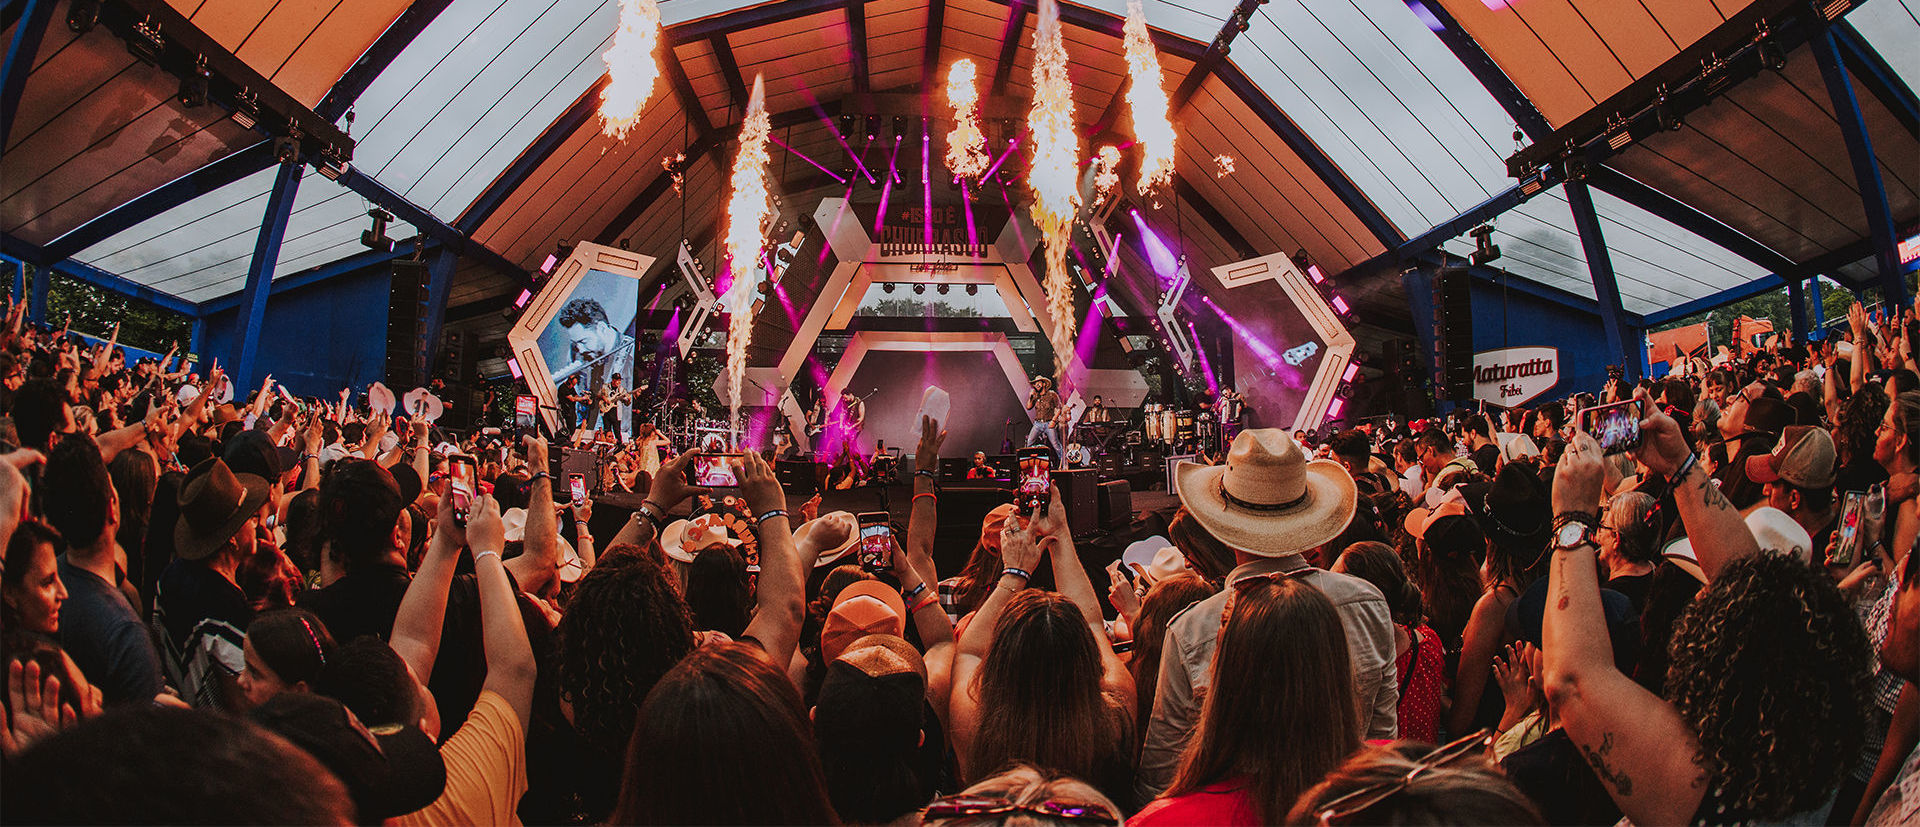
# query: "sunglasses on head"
1360,800
969,806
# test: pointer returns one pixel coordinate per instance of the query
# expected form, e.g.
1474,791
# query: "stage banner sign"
1516,375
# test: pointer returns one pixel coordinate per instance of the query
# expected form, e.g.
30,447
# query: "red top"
1226,803
1421,670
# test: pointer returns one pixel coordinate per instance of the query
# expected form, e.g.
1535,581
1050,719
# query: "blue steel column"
266,252
439,284
19,281
37,308
1819,310
1866,168
196,340
1797,302
1605,288
33,23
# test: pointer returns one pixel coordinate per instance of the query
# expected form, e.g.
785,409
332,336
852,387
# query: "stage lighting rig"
943,288
873,127
286,149
1484,250
376,238
83,15
886,287
973,289
193,87
246,109
920,288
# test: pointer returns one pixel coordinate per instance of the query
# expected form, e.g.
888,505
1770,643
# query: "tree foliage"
95,310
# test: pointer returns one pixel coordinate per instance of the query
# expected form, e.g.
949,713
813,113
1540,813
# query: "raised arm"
510,665
669,489
423,609
781,593
1018,550
1635,741
923,515
1720,536
539,563
1070,577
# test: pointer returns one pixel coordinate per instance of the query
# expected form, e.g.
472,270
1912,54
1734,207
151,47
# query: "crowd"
276,610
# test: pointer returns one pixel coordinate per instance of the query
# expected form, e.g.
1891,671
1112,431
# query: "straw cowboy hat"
1268,499
513,527
683,540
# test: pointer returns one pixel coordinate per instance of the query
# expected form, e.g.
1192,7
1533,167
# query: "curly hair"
625,627
582,311
1769,668
1859,422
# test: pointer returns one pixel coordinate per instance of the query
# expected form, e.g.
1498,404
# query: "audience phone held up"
461,474
876,542
1616,426
1033,491
577,487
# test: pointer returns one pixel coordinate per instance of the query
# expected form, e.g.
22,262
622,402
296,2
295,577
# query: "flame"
1106,171
1054,174
1152,127
631,67
749,211
1222,166
966,144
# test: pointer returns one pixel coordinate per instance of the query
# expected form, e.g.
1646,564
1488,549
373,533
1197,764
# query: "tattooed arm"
1636,742
1720,536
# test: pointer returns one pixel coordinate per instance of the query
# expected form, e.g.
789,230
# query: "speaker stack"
1453,312
406,324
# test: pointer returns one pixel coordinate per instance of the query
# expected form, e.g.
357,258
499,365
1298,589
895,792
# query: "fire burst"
1106,171
1222,166
749,210
966,144
631,67
1148,99
1054,174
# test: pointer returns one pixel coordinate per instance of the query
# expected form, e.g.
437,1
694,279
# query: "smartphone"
1033,492
461,473
1616,426
577,486
525,423
876,541
1853,518
713,471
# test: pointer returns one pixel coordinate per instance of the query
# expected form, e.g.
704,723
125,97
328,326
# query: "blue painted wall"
317,339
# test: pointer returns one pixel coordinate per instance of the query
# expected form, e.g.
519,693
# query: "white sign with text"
1515,375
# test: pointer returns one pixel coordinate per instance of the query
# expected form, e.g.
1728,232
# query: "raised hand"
484,529
670,486
758,484
1582,470
1019,548
928,454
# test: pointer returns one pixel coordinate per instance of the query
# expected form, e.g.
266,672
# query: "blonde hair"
1025,785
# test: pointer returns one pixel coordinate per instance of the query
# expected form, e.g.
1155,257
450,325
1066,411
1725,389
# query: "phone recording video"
876,542
525,424
460,486
1034,491
1616,426
577,487
714,470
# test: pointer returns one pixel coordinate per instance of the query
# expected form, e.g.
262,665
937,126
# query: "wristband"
929,600
914,592
768,515
1587,518
537,477
305,457
479,554
1021,573
925,472
934,497
1686,467
653,513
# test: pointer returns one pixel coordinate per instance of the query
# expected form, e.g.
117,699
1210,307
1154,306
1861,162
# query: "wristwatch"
1574,532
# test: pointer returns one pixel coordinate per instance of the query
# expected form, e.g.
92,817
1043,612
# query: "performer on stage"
980,470
591,339
853,417
1096,412
573,404
614,406
1045,405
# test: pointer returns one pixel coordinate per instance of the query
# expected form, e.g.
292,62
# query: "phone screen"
577,486
460,476
1853,516
1035,488
714,471
876,542
1616,426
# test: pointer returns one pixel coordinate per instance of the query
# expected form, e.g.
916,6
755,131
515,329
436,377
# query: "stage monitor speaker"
406,324
1109,466
1116,504
796,476
962,508
1078,494
1453,310
586,463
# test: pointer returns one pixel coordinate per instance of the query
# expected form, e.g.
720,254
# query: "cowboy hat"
513,526
683,539
1154,559
214,504
1776,531
821,524
1039,379
1268,499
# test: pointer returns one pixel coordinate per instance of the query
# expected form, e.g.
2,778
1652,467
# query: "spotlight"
873,127
899,128
561,252
286,149
886,287
943,288
973,289
376,238
246,109
1352,372
1773,55
920,288
146,43
1484,250
513,367
1341,307
926,129
193,87
1575,168
522,299
82,15
1334,410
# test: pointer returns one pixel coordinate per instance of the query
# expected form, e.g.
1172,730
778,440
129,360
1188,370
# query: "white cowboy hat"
513,526
1776,531
380,399
1154,559
683,539
1268,499
842,519
423,403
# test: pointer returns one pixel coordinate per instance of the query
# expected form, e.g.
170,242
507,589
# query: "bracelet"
914,592
929,600
479,554
768,515
653,512
536,477
1021,573
925,472
1686,467
305,457
934,497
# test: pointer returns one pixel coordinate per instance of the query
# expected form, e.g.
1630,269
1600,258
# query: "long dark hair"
1163,601
624,628
716,590
1039,693
722,739
1206,555
1280,675
135,476
294,643
1379,564
981,572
